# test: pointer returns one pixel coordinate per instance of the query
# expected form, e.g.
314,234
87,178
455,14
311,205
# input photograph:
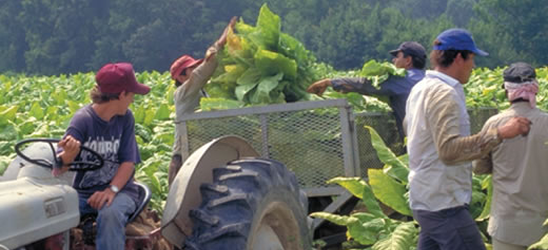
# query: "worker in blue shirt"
410,56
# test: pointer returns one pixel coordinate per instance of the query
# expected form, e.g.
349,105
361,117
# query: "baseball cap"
519,72
458,39
182,63
410,48
117,77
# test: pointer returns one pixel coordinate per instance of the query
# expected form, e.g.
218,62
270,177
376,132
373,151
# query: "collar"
521,106
445,78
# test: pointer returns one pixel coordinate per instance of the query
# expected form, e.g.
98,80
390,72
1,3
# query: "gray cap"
519,72
413,49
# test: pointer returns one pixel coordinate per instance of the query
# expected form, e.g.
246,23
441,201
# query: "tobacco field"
253,71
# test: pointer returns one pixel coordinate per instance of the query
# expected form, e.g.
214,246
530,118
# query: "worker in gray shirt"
519,167
190,77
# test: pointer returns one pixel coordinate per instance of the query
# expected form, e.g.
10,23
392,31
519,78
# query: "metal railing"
317,140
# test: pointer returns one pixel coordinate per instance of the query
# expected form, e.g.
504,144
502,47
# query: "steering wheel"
74,166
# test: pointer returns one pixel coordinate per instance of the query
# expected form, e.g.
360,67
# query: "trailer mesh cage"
316,140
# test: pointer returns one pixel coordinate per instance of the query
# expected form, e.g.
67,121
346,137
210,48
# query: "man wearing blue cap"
441,148
410,56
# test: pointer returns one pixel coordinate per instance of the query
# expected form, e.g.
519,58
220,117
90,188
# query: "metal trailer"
317,140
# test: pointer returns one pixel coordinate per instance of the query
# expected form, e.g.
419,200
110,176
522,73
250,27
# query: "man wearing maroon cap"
190,77
107,127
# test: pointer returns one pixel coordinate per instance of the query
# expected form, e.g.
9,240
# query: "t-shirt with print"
113,140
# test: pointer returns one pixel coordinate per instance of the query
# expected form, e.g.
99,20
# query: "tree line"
52,37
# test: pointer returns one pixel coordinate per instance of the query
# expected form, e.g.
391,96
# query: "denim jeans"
448,229
111,221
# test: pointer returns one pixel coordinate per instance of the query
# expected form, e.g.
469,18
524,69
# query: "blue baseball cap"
458,39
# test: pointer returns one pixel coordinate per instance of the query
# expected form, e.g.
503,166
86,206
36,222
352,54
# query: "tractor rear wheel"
252,204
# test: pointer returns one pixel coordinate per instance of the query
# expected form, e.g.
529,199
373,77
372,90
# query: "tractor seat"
87,222
144,198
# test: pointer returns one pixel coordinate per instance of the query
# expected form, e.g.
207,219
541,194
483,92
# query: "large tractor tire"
252,204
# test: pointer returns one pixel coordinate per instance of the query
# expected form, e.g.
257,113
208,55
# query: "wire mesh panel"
478,117
385,125
309,141
201,131
315,140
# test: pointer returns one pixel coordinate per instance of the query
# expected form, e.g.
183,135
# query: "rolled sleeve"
354,84
444,120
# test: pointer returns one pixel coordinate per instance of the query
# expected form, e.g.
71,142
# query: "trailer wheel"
252,204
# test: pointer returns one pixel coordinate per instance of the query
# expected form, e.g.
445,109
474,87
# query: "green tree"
512,30
429,9
12,38
60,35
460,11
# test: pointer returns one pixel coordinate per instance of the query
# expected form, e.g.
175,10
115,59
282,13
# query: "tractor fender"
184,193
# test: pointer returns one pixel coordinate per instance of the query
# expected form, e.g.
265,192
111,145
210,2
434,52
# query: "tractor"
227,197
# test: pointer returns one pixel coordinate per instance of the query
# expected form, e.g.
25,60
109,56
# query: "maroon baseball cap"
117,77
182,63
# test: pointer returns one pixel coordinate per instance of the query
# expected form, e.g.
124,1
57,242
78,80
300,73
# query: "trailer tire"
250,201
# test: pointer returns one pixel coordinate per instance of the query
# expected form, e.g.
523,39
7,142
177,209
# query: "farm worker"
190,77
410,56
441,148
519,167
107,127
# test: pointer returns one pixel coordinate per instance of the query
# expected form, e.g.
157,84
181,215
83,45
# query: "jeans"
448,229
111,221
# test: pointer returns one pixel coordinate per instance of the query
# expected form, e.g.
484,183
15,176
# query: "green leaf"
139,114
374,68
5,162
36,111
403,238
366,233
341,220
247,81
8,133
272,63
27,127
209,104
149,116
487,183
379,72
396,168
389,191
162,113
8,114
264,88
143,132
540,245
73,106
267,33
359,188
355,185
